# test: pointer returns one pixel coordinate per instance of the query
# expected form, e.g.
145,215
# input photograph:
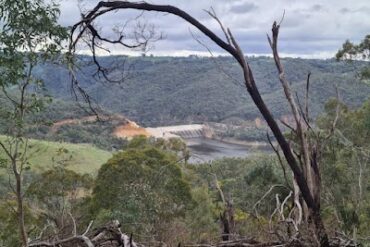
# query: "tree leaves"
142,185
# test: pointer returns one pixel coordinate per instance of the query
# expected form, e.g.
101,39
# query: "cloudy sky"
314,29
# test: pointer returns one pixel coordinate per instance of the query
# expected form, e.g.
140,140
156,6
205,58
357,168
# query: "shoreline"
239,142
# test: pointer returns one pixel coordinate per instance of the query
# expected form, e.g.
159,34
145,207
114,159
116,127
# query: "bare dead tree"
227,216
108,235
305,165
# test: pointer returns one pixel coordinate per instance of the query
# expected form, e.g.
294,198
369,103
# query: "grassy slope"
83,158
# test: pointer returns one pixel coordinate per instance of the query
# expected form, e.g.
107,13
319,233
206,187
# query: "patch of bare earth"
118,119
129,130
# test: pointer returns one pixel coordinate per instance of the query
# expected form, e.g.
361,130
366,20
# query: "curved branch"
233,49
104,7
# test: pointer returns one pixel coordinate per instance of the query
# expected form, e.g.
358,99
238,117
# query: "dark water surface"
204,150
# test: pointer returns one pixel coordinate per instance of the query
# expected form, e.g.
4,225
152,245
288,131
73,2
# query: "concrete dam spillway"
182,131
198,139
131,129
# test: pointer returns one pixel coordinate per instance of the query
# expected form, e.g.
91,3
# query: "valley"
203,144
147,124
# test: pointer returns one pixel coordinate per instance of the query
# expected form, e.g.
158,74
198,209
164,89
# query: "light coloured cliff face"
130,130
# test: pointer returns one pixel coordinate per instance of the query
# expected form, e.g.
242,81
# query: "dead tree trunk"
228,221
303,171
307,153
227,216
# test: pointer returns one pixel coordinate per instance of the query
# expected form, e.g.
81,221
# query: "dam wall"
182,131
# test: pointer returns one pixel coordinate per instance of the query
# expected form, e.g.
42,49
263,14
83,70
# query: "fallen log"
109,235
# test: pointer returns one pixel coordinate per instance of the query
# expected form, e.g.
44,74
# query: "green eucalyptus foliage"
56,189
9,223
56,195
201,221
345,167
245,182
29,34
143,187
351,51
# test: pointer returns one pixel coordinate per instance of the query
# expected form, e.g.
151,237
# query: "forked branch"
231,46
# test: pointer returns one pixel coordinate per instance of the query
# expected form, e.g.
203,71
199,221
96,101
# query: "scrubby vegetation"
135,184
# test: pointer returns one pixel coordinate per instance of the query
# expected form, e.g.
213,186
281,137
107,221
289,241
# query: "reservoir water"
205,150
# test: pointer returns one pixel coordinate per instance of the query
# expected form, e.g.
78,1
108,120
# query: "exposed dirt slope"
130,129
124,128
116,119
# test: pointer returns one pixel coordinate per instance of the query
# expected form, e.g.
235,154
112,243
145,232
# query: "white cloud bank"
311,29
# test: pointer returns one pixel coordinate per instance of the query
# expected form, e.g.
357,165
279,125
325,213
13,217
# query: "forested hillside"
169,90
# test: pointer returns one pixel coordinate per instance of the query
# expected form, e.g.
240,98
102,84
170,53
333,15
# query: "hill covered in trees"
172,90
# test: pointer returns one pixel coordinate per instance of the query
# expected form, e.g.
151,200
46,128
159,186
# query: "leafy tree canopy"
142,186
28,31
351,51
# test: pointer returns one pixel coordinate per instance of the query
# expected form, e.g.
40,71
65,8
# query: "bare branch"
213,14
303,112
88,228
283,204
280,160
74,224
282,18
288,126
233,79
306,97
6,150
265,195
336,117
73,238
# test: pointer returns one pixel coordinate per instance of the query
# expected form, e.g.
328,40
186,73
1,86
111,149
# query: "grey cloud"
344,10
362,9
308,26
242,8
317,7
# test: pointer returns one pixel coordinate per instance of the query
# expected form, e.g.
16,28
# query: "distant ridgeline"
167,90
